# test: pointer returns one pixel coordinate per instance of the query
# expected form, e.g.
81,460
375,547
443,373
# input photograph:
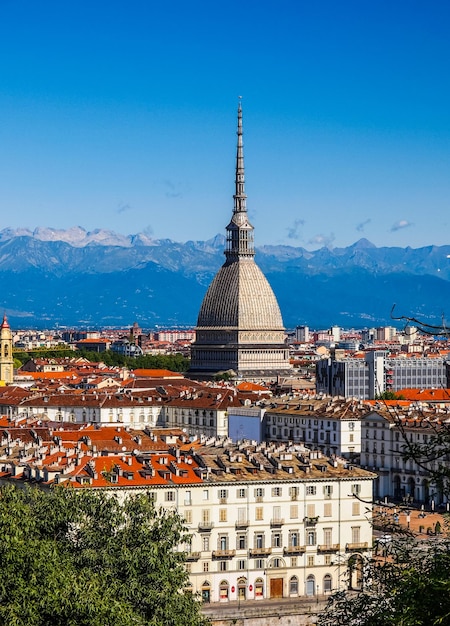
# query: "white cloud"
323,240
400,224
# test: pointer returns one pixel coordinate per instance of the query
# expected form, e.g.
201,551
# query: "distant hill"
89,279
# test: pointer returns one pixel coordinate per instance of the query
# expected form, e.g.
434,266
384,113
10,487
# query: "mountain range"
76,278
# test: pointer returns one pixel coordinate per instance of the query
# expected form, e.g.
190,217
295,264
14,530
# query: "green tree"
389,395
410,586
81,558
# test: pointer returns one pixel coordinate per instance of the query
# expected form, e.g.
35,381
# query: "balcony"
193,556
311,521
258,552
328,548
223,554
276,522
205,527
242,523
356,547
294,550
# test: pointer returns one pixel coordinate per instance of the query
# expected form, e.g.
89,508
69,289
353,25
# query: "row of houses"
266,520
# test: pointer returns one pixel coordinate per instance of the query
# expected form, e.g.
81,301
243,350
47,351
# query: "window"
327,583
277,492
310,561
328,559
293,511
259,513
259,563
293,492
356,489
206,566
310,510
205,516
188,517
276,563
310,490
276,513
242,515
327,536
328,491
276,540
241,493
259,492
223,494
205,494
205,543
187,498
311,537
241,542
293,539
223,566
327,509
223,542
242,564
222,515
294,561
170,496
356,534
355,508
259,540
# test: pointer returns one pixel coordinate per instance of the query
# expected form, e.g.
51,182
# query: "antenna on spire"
239,102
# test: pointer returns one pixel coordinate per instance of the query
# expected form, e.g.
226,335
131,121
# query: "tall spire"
239,197
239,230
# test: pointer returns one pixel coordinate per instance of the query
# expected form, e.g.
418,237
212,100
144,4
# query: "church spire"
239,230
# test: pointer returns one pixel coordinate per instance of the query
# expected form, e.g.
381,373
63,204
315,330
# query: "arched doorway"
293,586
411,487
259,588
224,591
355,572
206,592
242,589
327,584
310,587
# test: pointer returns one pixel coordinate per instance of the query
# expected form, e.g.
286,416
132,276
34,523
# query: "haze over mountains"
90,279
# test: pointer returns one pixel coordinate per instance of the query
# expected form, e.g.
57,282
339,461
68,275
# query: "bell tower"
6,356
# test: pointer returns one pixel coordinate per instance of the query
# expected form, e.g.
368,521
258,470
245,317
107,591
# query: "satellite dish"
124,448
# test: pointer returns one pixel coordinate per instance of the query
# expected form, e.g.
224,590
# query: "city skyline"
124,119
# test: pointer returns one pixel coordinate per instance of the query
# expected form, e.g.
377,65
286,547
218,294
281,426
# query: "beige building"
266,521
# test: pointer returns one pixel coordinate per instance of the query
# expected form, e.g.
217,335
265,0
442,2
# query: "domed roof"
240,297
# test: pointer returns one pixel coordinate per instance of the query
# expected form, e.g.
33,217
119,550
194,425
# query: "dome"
240,297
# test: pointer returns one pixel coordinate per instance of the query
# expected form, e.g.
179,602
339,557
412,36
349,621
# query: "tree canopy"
406,584
81,558
174,362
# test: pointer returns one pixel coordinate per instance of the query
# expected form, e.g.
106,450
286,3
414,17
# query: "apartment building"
266,521
368,377
386,433
331,425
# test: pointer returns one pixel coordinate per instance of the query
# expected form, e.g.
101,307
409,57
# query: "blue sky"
122,116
